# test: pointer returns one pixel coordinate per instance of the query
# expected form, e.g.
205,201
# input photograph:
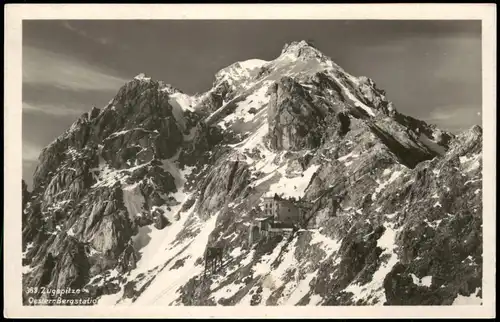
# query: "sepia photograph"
175,162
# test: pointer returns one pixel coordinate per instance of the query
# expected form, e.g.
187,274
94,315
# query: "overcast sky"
430,69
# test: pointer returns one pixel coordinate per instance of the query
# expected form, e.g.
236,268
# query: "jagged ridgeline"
308,181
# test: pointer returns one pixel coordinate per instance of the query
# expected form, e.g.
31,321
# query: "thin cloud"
461,60
56,110
30,152
82,33
44,67
455,118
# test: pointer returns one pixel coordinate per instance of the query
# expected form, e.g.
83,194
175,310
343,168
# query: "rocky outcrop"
26,195
161,222
294,123
303,50
127,260
94,181
225,182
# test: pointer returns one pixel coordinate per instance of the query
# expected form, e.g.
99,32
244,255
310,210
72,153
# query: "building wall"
287,212
282,210
269,207
254,234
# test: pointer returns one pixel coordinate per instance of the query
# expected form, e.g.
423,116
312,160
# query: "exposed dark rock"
161,222
293,121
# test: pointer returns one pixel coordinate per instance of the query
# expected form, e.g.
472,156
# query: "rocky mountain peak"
301,48
143,80
378,208
476,130
239,70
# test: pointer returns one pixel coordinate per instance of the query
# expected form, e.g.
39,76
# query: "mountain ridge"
154,177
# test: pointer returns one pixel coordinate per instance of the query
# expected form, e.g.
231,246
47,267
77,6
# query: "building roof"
281,229
275,196
263,218
282,225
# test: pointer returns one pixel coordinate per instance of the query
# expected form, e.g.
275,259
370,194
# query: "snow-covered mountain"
125,202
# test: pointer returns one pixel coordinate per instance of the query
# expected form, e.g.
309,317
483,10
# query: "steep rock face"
224,183
404,143
71,143
214,100
229,81
95,185
26,204
292,120
371,95
26,195
204,138
418,273
153,130
126,201
302,50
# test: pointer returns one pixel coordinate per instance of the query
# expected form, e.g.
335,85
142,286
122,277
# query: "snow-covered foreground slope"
127,200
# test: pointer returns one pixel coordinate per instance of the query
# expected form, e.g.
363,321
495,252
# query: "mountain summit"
289,182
